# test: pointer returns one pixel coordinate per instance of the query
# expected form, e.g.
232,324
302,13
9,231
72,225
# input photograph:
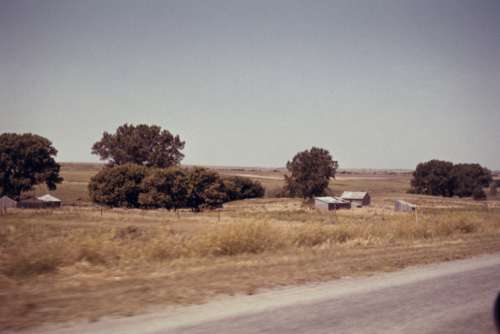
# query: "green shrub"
165,188
118,186
238,188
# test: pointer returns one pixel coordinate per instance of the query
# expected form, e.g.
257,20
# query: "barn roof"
330,200
354,195
48,198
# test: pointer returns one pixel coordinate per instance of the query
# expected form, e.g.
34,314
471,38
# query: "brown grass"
76,263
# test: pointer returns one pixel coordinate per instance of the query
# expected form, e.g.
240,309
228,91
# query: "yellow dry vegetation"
81,262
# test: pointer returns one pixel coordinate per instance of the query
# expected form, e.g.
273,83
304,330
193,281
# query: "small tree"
25,161
142,145
310,173
206,189
433,178
165,188
238,188
467,178
118,186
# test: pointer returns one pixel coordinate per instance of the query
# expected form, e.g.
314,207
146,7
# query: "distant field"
79,262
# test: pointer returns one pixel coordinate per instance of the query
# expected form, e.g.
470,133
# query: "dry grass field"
81,263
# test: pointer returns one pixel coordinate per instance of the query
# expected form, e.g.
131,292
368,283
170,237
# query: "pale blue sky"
381,84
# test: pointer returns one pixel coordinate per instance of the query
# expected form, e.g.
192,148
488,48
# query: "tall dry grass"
42,244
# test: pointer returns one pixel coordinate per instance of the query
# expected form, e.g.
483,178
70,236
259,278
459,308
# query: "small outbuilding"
403,206
50,201
329,203
31,203
7,203
357,198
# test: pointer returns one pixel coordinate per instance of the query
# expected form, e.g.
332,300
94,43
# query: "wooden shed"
403,206
7,203
328,203
357,198
31,203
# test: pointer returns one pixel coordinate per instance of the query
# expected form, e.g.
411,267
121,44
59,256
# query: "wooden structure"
328,203
357,198
50,201
403,206
31,203
7,203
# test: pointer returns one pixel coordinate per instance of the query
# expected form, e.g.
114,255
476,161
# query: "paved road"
453,297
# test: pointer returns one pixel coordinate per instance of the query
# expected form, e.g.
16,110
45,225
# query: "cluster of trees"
443,178
143,171
172,188
25,161
309,173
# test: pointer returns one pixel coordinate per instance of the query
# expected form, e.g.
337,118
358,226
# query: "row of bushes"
139,186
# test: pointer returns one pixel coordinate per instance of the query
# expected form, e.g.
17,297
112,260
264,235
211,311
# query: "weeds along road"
453,297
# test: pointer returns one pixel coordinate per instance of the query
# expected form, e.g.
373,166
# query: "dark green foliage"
118,186
478,194
467,178
142,145
170,188
238,188
442,178
206,189
433,178
25,161
310,173
165,188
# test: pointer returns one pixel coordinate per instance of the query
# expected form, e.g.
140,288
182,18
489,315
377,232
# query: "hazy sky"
381,84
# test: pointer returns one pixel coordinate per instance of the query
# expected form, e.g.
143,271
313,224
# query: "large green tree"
310,172
25,161
147,145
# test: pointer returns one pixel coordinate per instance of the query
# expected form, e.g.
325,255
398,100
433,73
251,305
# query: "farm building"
50,201
330,203
356,198
403,206
7,203
31,203
42,202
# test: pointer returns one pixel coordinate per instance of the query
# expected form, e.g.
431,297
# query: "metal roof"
354,194
48,198
330,200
